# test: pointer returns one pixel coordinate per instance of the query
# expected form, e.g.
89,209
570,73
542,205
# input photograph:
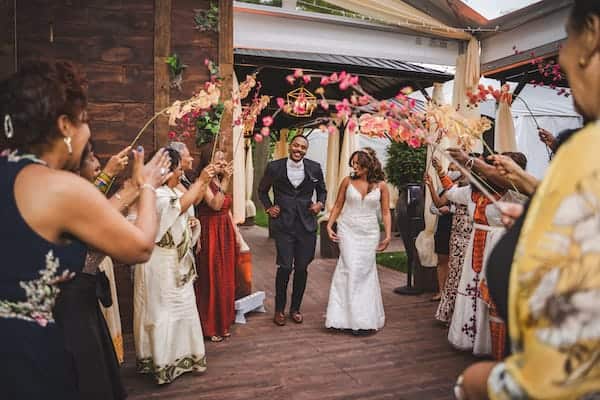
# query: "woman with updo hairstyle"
49,218
355,301
554,289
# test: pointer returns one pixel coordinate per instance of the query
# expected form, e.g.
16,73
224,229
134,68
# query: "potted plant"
405,169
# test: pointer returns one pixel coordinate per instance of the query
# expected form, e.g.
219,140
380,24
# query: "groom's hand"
273,211
316,208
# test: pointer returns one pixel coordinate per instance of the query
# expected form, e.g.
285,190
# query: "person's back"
29,336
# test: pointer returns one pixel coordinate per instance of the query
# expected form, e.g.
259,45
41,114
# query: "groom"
293,220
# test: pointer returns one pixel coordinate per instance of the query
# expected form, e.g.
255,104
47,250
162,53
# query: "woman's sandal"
216,339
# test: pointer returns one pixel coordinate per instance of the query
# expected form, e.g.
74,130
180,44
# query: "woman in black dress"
49,217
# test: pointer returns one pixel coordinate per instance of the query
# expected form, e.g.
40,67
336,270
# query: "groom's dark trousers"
295,229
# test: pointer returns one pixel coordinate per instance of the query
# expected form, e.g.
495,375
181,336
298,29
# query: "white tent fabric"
552,112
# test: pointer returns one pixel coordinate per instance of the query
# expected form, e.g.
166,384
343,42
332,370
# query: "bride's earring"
67,141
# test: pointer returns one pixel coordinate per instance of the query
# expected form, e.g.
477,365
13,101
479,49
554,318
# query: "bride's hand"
332,235
383,244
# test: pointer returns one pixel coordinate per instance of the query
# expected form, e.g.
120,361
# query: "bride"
355,296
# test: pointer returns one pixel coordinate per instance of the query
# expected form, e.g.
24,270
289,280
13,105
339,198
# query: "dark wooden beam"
226,72
162,48
8,59
521,85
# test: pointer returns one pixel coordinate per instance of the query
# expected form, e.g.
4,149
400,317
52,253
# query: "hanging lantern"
300,103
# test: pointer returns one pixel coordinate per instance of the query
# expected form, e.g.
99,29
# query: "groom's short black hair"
303,137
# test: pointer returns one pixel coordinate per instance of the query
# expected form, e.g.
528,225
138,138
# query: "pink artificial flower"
342,75
306,79
172,135
324,105
237,122
412,103
353,80
344,85
363,100
414,142
258,138
280,102
206,61
352,125
265,131
325,81
333,77
298,73
332,129
267,121
290,79
343,108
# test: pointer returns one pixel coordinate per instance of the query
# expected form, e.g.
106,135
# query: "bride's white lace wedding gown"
355,296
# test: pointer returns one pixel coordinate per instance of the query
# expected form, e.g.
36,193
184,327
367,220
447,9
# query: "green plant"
175,66
207,20
405,165
208,124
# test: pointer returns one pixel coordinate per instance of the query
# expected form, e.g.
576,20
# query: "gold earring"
67,141
582,62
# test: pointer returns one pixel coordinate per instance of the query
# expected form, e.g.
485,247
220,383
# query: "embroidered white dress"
355,295
167,331
470,324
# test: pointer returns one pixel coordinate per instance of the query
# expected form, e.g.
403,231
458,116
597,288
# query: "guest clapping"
45,129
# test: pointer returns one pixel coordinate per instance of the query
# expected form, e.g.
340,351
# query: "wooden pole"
162,48
8,45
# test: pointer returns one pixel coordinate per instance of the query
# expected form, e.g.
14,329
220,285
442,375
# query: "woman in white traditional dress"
355,296
472,328
167,331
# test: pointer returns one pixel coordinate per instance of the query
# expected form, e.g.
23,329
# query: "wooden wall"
113,41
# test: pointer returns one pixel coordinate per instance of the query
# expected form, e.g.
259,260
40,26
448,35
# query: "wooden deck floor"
409,359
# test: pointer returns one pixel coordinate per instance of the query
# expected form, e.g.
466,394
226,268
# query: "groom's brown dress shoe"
279,319
296,317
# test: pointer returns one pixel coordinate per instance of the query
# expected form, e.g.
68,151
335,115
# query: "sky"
495,8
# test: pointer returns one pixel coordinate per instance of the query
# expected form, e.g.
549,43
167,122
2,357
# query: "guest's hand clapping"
207,173
155,172
117,163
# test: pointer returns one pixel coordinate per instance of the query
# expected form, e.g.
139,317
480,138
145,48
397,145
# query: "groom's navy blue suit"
295,229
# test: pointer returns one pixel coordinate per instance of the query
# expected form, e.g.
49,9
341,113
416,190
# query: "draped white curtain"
504,129
332,168
349,146
397,12
425,242
239,175
250,206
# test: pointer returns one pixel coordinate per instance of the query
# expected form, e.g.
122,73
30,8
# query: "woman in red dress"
217,255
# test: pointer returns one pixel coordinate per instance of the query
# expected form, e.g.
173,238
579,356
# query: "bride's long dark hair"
367,159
